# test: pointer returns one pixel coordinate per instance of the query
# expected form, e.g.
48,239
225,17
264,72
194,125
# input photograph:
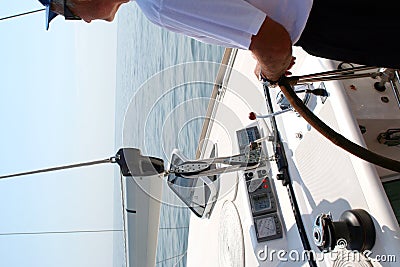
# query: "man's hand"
272,47
257,69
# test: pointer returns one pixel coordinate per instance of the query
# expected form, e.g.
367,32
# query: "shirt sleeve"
229,23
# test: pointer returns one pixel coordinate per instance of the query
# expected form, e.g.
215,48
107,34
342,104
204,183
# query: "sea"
164,81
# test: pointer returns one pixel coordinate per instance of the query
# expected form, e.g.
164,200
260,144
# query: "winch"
355,231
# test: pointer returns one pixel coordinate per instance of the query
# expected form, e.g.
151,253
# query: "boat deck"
325,178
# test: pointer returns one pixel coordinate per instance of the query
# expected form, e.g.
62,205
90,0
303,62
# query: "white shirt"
229,23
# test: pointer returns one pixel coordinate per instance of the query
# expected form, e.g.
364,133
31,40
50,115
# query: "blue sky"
56,107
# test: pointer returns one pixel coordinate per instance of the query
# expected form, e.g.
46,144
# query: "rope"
110,160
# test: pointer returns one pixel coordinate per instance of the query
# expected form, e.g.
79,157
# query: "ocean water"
164,81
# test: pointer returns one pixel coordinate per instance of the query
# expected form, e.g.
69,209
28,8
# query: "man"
356,31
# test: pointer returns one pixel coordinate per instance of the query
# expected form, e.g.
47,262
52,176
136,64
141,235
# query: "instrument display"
262,199
268,227
261,202
263,206
246,136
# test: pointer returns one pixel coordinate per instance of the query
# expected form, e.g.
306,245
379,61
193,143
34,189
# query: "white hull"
142,219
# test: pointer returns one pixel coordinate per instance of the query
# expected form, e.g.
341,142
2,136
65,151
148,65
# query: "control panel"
263,203
261,193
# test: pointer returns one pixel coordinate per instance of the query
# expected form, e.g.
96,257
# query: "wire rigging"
22,14
62,232
64,167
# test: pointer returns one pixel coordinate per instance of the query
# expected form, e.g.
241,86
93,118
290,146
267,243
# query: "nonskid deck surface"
325,178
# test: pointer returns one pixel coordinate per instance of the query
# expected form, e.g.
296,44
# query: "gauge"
266,227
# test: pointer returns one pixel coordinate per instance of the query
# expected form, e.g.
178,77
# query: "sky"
57,102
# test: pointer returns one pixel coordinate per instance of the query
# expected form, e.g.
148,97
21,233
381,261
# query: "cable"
22,14
61,232
109,160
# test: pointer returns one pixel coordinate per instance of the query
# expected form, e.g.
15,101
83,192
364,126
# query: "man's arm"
272,48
